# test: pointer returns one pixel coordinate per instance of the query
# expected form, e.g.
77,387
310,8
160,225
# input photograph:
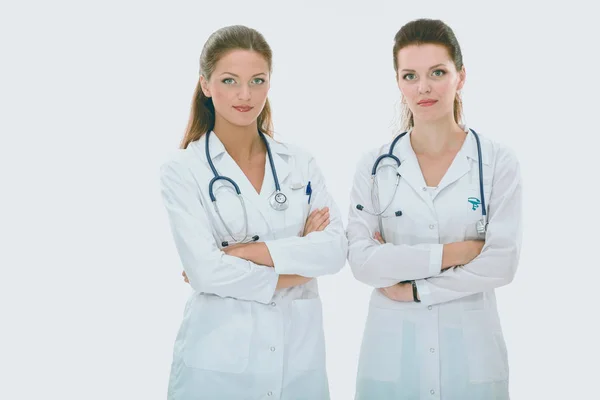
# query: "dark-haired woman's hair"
428,31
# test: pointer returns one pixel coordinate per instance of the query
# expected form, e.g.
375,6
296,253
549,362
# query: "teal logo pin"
475,202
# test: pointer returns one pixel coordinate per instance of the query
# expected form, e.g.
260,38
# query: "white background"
94,95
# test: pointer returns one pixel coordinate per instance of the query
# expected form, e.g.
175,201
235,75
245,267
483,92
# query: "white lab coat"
240,338
449,346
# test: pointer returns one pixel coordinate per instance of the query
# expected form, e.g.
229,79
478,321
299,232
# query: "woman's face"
428,80
238,86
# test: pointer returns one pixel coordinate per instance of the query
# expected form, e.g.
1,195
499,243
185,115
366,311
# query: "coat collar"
225,165
466,157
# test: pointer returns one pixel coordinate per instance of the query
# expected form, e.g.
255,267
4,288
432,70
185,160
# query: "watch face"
280,198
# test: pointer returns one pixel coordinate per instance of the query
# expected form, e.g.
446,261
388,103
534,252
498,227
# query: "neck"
437,137
241,142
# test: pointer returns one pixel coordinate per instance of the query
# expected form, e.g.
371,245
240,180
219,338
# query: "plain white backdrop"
94,95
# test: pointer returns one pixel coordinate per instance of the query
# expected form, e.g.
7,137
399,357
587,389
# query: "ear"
204,85
462,76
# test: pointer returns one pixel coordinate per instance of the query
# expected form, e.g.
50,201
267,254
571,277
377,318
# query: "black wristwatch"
415,292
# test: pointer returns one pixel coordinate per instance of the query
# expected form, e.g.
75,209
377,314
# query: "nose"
245,93
424,86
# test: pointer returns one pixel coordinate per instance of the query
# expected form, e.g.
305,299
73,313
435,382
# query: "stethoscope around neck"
278,199
481,223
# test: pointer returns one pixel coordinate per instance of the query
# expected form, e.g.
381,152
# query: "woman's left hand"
398,292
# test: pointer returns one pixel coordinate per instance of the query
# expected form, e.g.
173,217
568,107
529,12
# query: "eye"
258,81
228,81
409,77
438,72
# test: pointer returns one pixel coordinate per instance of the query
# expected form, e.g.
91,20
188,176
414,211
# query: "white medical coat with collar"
240,338
450,345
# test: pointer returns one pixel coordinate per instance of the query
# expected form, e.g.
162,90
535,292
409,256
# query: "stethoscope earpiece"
226,243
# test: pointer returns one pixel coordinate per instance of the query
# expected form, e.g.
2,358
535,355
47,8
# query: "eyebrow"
435,66
237,76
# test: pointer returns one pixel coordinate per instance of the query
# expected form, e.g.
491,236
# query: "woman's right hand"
316,221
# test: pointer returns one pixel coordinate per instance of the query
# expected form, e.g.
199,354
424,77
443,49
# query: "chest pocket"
217,334
290,222
472,204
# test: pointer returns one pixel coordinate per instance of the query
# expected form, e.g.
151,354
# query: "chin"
240,119
429,117
243,122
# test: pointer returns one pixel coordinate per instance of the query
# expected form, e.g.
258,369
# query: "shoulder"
367,159
499,154
297,155
500,157
178,162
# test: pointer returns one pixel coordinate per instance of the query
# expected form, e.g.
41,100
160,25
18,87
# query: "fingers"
185,278
311,216
323,225
316,220
321,221
385,292
389,292
379,238
309,221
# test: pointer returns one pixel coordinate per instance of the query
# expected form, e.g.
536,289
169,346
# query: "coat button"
431,226
273,304
429,307
270,394
424,189
272,348
432,350
432,391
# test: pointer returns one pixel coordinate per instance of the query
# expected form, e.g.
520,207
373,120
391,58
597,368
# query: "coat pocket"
381,349
485,348
218,335
307,340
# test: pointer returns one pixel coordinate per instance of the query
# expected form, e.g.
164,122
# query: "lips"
243,108
427,102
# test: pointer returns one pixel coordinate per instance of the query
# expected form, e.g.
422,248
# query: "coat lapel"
410,171
226,166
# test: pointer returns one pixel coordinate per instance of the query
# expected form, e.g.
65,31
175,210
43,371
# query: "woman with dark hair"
254,226
434,228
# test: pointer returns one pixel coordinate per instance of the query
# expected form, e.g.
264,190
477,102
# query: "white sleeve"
382,265
318,253
497,264
209,270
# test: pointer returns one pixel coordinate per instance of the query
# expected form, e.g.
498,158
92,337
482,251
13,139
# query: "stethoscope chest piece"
481,226
279,201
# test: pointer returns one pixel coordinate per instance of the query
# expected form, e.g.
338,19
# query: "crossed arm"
442,272
258,252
